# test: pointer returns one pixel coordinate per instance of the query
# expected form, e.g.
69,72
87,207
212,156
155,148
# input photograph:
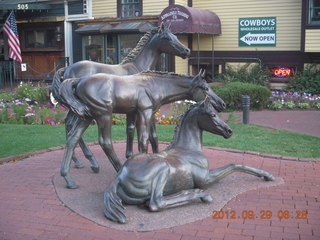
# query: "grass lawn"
18,139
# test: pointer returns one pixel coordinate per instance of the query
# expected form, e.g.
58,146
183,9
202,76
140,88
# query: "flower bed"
26,111
30,105
291,100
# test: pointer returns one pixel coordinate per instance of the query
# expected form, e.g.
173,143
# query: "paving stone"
30,208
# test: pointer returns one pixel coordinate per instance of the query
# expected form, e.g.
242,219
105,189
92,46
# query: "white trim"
77,17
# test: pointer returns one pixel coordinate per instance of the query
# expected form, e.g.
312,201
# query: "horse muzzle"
219,105
186,53
228,133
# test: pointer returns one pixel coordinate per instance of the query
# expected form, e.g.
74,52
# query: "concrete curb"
16,158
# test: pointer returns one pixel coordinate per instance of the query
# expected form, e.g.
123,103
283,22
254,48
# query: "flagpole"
7,18
12,70
10,29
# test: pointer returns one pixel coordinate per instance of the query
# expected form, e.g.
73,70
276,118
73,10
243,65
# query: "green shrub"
290,104
275,106
7,97
307,81
37,94
232,94
4,116
303,105
19,110
247,73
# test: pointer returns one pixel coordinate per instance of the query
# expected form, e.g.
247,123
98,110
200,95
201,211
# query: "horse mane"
163,74
179,124
142,42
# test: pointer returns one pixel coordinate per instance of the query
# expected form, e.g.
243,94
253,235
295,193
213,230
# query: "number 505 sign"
22,6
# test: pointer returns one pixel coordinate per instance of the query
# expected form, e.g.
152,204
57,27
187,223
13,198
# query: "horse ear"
199,73
203,73
161,28
196,78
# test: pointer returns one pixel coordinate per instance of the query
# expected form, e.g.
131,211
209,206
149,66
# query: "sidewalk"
304,121
31,209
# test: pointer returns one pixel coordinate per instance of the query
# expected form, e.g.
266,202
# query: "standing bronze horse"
98,96
176,175
143,57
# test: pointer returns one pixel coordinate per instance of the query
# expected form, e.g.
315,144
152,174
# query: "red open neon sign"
282,72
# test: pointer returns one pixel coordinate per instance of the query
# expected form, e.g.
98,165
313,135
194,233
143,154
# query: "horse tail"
113,208
56,83
70,100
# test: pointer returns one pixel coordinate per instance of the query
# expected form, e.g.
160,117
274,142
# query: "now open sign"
255,32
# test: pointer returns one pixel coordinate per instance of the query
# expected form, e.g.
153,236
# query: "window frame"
57,33
120,5
310,13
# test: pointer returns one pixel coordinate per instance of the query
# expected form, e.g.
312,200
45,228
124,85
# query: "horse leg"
70,118
131,126
153,138
143,126
89,155
158,201
72,140
104,124
219,173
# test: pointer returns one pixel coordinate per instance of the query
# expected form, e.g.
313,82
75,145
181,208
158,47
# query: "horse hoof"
95,169
122,220
206,199
79,165
270,177
153,208
72,186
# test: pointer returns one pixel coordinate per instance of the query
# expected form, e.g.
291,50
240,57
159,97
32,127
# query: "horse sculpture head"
166,42
201,90
208,120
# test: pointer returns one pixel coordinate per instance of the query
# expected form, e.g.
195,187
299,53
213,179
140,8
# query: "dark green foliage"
232,93
245,73
38,94
7,97
307,81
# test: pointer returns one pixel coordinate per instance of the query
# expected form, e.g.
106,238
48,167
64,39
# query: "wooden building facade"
45,34
282,35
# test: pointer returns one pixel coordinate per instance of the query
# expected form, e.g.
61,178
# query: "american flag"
10,29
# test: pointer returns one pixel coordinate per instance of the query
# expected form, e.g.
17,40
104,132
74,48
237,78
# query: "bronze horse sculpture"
176,175
98,96
143,57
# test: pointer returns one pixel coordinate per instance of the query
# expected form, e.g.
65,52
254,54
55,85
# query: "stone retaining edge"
16,158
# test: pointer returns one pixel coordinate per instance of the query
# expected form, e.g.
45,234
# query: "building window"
127,42
164,62
130,8
93,48
314,12
43,38
78,7
111,50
